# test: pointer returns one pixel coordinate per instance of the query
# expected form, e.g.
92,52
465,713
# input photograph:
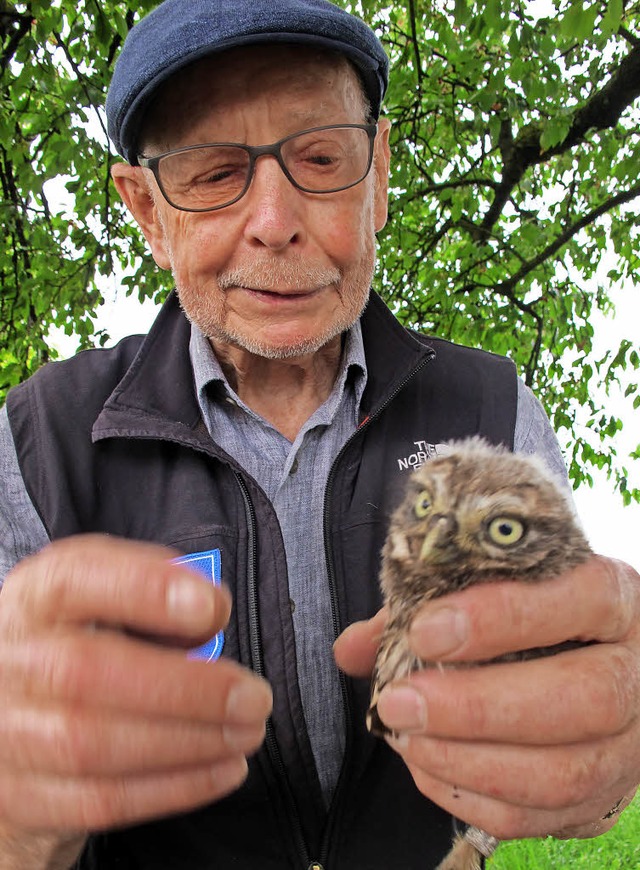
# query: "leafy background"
514,200
513,218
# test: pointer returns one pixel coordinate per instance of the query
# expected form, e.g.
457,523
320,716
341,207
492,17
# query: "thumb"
356,649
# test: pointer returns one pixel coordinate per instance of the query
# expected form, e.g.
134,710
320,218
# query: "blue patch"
208,564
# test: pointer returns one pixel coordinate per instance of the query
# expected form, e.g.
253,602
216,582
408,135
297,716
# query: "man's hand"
105,720
521,749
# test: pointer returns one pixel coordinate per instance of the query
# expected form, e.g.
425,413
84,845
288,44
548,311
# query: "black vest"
113,441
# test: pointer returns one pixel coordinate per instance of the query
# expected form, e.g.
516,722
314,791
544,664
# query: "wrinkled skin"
524,749
105,719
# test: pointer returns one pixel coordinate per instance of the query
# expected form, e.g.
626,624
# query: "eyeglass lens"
317,161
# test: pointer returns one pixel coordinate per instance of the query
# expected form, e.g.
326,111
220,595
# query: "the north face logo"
423,452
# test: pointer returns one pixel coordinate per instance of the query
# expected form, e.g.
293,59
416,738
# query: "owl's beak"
436,546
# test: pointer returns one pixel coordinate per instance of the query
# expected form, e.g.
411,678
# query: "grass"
618,849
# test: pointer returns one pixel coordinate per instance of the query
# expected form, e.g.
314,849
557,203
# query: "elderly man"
263,420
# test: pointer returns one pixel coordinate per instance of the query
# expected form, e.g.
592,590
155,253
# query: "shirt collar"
207,369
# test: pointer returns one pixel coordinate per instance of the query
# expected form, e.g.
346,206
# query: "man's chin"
272,349
272,340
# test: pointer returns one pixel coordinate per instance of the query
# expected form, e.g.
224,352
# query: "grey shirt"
292,475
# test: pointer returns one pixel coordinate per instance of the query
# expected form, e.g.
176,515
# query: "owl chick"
476,514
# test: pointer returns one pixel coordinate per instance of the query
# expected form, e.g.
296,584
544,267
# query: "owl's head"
481,513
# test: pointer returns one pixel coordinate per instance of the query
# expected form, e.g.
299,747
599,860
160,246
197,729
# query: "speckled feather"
476,514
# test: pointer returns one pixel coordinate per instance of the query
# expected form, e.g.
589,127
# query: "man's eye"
219,174
321,159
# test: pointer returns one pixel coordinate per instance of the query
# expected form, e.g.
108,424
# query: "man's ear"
381,164
136,194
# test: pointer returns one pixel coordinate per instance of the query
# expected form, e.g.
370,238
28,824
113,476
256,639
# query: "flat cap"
179,32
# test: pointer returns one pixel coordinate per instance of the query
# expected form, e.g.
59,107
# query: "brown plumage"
475,514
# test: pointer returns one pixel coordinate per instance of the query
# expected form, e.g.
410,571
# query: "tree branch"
631,38
414,40
420,192
551,249
7,19
81,79
602,110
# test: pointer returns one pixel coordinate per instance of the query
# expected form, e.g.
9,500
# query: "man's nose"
275,207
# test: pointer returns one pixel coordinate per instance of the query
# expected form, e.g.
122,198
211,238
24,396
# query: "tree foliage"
55,63
514,201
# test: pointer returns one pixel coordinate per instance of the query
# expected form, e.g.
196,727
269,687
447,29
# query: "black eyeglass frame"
255,151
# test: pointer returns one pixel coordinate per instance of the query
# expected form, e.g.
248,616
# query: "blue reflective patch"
208,564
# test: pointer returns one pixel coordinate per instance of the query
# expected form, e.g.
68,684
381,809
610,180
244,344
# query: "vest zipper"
257,663
338,795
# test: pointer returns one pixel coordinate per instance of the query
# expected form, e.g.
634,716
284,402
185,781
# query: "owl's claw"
375,725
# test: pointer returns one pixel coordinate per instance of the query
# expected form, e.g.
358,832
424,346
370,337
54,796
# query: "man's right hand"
105,720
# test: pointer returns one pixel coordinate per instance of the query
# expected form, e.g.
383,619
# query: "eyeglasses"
212,176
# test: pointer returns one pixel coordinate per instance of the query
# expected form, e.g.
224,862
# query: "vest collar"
157,398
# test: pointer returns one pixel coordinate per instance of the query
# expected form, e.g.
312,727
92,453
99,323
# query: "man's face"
280,272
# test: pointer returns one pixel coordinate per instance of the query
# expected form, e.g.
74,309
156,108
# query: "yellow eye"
505,531
422,505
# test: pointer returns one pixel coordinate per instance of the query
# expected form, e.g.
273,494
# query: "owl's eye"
422,505
505,531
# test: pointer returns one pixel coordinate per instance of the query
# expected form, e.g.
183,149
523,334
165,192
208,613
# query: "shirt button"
294,466
292,605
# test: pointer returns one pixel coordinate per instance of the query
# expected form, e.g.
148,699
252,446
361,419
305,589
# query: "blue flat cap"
179,32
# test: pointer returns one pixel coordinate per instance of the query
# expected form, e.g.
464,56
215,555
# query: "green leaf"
612,18
554,133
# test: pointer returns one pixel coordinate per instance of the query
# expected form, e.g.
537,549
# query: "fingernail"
398,742
190,602
439,633
401,708
248,701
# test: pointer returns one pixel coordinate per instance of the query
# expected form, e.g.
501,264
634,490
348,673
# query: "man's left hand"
528,748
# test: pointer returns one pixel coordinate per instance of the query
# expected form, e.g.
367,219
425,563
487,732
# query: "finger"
507,821
608,820
38,802
110,581
574,696
17,844
73,741
115,672
598,600
356,649
511,774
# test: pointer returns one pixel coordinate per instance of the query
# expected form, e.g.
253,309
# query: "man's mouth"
291,280
282,293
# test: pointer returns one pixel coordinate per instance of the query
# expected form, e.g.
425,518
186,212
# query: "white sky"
614,530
